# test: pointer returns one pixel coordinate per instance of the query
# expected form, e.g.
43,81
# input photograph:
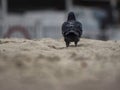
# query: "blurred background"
34,19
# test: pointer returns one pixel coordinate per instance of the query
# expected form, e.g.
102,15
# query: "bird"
71,30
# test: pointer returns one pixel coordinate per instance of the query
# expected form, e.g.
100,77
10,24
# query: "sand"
46,64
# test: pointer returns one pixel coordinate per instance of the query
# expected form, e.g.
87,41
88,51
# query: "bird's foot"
76,44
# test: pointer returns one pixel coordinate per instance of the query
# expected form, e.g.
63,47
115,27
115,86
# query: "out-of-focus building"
43,18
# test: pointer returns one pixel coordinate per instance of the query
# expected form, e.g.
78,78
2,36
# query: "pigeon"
71,30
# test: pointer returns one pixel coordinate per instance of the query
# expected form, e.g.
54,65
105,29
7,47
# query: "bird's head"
71,16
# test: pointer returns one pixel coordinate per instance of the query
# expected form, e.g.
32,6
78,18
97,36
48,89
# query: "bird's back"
74,26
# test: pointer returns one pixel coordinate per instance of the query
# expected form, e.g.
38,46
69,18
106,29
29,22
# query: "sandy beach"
46,64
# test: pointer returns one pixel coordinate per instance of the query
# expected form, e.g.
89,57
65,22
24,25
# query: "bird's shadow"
72,46
80,45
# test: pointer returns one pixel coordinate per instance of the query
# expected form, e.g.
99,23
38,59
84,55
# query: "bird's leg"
67,44
76,43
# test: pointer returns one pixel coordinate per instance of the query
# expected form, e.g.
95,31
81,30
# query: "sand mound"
47,64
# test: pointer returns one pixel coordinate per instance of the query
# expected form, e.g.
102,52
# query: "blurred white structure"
38,24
